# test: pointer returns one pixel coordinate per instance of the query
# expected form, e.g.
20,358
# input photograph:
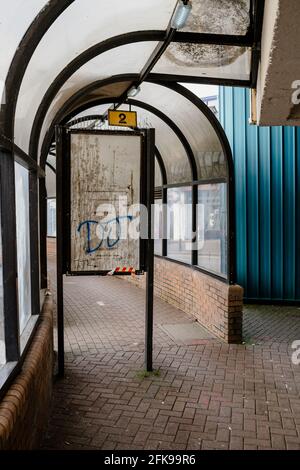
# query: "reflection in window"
212,228
51,217
180,224
158,227
23,244
2,339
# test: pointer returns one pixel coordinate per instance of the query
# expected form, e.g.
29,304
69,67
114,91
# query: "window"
51,217
180,224
23,244
158,227
212,228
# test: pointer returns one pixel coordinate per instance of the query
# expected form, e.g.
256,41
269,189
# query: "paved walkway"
207,395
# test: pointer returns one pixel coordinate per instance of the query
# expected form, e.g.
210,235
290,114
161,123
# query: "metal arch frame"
121,40
76,64
98,101
160,161
231,275
63,118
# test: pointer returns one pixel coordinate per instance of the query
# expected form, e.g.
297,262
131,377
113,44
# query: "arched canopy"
61,58
199,130
78,42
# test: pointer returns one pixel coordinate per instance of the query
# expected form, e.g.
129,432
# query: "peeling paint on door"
104,168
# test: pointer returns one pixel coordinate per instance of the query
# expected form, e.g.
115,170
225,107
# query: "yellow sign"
122,118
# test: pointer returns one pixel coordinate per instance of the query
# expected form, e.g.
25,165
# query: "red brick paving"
206,396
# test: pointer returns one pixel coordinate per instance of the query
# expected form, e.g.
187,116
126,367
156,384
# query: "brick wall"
25,407
215,304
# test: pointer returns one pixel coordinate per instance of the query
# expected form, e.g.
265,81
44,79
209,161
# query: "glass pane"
51,217
219,17
2,337
180,224
211,165
212,228
213,61
23,244
190,120
158,227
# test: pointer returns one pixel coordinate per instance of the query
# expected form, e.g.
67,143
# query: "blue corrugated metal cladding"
267,177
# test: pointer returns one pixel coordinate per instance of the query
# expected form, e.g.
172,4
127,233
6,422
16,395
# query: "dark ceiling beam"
215,39
22,57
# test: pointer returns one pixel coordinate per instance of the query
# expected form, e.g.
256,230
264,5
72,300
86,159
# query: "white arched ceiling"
15,18
125,59
82,25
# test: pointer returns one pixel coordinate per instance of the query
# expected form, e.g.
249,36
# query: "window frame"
16,344
229,278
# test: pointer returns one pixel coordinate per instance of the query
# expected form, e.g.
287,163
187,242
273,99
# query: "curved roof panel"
15,18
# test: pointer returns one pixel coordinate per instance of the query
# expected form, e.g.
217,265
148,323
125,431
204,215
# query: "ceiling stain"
213,17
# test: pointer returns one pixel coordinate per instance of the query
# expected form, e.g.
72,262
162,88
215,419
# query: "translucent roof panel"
213,61
15,18
219,17
125,59
194,125
171,149
82,25
158,178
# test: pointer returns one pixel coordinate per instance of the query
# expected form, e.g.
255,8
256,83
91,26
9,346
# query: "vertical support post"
194,224
150,152
9,255
34,243
165,222
43,232
59,251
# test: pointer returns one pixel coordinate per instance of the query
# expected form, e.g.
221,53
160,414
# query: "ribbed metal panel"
267,176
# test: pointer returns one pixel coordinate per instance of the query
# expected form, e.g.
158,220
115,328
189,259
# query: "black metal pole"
59,251
43,232
150,151
34,242
9,255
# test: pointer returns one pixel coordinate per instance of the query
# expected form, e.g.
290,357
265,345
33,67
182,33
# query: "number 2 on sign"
122,118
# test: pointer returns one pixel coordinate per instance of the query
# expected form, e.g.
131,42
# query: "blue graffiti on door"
104,232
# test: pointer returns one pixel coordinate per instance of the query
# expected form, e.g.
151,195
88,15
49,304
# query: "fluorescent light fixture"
181,15
133,91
